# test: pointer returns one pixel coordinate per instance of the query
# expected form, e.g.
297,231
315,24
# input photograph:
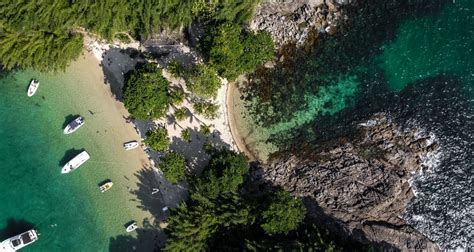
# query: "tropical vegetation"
30,30
173,166
145,93
181,114
157,139
220,216
207,109
186,135
283,214
233,50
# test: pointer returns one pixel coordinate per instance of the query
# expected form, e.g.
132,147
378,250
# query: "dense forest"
34,33
221,215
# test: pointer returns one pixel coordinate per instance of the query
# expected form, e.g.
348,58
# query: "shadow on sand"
147,239
15,227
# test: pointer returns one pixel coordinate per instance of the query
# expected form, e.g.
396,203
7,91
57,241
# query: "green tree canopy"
37,31
145,93
224,174
173,166
157,139
202,80
234,51
283,214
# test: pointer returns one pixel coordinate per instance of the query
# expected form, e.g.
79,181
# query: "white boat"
74,163
106,186
131,227
74,125
19,241
34,84
130,145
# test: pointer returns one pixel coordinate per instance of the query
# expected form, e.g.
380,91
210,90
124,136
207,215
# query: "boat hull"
76,162
74,125
34,84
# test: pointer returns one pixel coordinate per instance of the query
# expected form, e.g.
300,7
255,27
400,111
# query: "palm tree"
205,129
186,135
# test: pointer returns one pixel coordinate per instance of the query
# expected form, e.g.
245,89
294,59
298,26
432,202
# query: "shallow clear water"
68,210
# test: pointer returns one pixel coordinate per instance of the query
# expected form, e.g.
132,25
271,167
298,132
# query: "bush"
180,114
175,69
283,214
207,109
203,81
157,139
173,166
145,93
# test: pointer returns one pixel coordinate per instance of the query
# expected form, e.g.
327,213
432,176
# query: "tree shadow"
15,227
193,151
68,119
68,155
146,238
116,63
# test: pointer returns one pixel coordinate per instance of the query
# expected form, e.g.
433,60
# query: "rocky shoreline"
297,21
359,187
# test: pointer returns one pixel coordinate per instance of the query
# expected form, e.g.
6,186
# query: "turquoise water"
411,59
68,210
33,190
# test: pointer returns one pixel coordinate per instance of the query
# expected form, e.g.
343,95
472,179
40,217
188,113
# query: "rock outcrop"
295,21
361,184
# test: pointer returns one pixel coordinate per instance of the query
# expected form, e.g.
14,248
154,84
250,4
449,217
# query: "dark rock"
363,183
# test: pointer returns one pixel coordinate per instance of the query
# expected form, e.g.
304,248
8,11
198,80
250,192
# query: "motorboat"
19,241
105,186
74,163
74,125
130,145
131,227
34,84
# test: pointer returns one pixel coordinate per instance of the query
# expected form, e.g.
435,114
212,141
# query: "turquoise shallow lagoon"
68,210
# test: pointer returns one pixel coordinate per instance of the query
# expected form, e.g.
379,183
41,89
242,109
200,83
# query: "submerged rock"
360,187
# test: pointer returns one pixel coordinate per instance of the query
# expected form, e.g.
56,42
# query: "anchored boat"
74,163
131,227
105,186
19,241
74,125
130,145
34,84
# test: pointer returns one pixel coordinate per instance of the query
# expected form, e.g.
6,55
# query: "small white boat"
106,186
131,227
19,241
130,145
74,125
74,163
34,84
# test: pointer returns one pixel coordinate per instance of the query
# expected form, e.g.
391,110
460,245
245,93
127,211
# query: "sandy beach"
106,129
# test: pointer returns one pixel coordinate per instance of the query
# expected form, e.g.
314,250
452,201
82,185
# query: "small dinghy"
130,145
34,84
105,186
131,227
